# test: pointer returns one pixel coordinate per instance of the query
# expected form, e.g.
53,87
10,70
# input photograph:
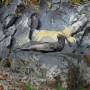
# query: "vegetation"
31,3
37,3
59,87
29,87
5,2
77,2
82,88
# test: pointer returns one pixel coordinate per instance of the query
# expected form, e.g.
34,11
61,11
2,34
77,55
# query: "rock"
85,72
21,86
10,87
9,21
1,32
24,78
22,35
3,77
58,73
10,31
53,72
10,82
51,76
5,42
51,83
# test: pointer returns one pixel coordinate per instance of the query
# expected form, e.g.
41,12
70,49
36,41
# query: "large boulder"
22,35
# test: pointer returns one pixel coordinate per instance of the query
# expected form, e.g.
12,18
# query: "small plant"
29,87
59,87
81,88
58,83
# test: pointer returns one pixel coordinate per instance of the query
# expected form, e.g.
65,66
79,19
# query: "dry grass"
5,2
30,3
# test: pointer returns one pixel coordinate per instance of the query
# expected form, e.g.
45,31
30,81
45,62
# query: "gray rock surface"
56,63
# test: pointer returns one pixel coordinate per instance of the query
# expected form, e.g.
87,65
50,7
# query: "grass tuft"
29,87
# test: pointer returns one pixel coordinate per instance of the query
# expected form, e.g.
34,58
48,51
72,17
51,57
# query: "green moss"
29,87
59,87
